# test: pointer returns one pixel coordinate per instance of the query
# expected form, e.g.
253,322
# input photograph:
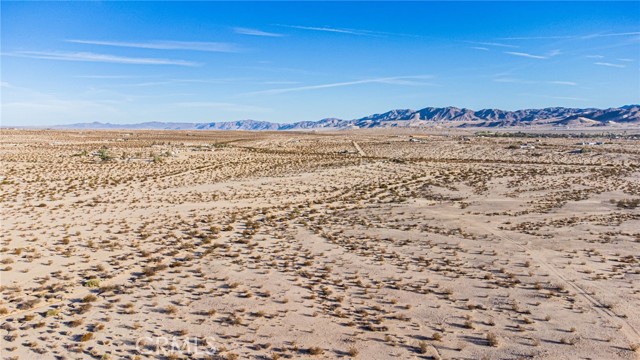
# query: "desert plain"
390,244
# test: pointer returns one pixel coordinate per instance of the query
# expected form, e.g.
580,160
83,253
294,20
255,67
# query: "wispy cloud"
104,58
626,60
553,53
610,64
350,31
493,44
395,80
553,37
513,81
255,32
527,55
185,81
479,48
267,67
147,83
560,37
409,81
107,76
166,45
280,82
335,30
590,36
556,97
521,81
549,54
558,82
223,106
595,56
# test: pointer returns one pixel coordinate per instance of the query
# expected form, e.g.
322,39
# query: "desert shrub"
353,351
89,298
104,155
492,339
628,203
92,283
84,308
422,347
75,323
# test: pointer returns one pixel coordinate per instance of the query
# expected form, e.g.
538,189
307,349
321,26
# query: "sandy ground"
362,244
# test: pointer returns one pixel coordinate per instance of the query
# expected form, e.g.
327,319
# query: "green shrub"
92,283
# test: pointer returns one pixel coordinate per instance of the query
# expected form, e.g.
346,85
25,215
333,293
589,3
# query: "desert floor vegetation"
352,244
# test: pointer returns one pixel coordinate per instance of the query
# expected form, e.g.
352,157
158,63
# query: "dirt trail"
628,330
358,148
631,333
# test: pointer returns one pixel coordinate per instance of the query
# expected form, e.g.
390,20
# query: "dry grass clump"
492,339
627,203
85,337
423,347
89,298
353,351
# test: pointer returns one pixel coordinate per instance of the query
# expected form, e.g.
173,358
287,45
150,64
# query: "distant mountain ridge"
444,116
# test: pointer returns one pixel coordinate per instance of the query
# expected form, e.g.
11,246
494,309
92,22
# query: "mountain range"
427,117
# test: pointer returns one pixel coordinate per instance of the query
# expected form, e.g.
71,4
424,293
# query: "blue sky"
128,62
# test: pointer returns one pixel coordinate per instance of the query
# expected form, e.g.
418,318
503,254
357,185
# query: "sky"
129,62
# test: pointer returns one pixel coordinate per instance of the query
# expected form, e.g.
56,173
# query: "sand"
365,244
